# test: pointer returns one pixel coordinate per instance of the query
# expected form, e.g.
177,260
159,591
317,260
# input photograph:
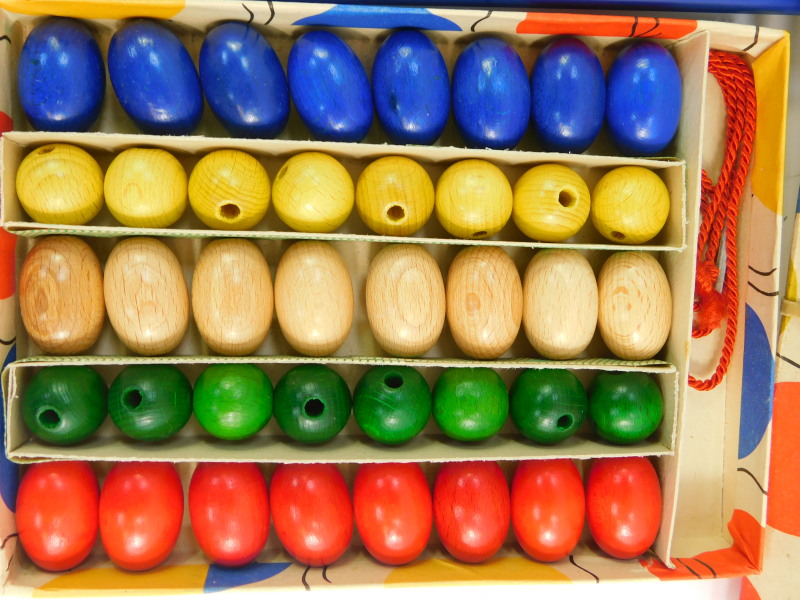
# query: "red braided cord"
720,210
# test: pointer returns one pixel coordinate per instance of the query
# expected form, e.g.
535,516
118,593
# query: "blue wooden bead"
643,99
243,81
491,95
330,88
568,96
61,76
154,78
411,88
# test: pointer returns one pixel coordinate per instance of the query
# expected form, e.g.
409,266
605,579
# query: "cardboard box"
713,507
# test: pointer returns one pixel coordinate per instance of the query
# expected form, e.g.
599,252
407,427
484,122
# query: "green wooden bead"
312,403
548,406
64,405
233,401
625,407
150,402
470,404
392,404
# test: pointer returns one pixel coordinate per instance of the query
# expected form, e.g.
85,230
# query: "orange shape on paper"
748,591
606,26
96,9
784,468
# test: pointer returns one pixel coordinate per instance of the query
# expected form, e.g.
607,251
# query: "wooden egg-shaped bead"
61,295
484,301
60,183
229,189
232,296
473,199
146,296
313,193
551,203
630,205
146,187
560,303
635,305
394,196
405,299
313,298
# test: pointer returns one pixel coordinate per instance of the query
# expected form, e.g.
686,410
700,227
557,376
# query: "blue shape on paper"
9,472
221,578
758,381
381,17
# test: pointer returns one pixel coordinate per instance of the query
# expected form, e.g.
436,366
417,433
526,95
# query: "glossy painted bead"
61,296
473,199
233,401
568,96
60,183
64,405
491,95
470,404
411,88
551,203
154,78
548,405
394,196
625,408
146,187
312,403
392,404
313,193
630,205
61,77
150,403
643,99
330,88
229,189
243,81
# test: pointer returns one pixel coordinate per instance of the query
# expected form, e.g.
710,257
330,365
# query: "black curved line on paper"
8,537
788,360
755,39
271,12
325,574
753,477
5,38
635,25
691,570
249,12
653,28
572,560
488,14
8,342
303,578
707,566
760,291
762,273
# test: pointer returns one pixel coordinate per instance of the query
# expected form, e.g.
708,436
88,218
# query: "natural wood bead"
232,296
229,189
394,196
551,203
146,187
484,301
560,303
146,296
313,298
405,299
473,199
61,295
60,183
630,205
313,193
635,305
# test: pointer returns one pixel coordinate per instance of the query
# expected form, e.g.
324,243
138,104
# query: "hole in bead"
229,211
618,235
49,418
396,213
393,380
480,234
564,422
566,199
314,407
133,399
46,149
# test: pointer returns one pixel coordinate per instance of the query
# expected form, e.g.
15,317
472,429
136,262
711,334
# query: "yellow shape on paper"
96,9
791,291
502,570
108,581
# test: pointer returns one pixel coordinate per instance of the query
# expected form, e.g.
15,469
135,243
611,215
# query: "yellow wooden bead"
473,199
313,193
630,205
60,183
146,187
551,203
229,189
394,196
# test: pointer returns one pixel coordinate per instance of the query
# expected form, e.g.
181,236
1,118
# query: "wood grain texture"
232,296
560,303
635,305
146,296
405,299
484,301
313,298
61,295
